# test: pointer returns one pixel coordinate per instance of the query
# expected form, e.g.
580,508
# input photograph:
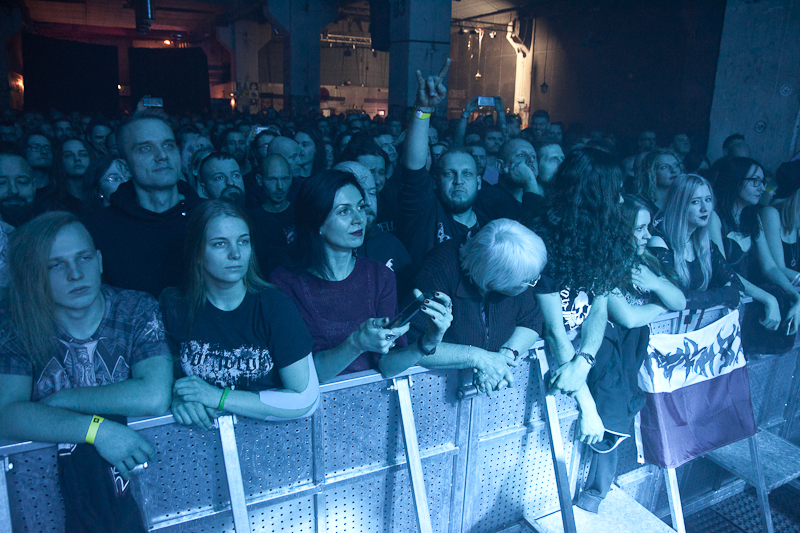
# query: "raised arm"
461,129
430,93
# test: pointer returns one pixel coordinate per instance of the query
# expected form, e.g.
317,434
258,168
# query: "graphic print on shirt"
83,366
154,329
225,368
575,308
289,233
441,236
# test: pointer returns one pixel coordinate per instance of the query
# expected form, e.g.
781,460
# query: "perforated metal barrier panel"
486,462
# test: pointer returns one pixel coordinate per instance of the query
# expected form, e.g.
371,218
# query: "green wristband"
221,406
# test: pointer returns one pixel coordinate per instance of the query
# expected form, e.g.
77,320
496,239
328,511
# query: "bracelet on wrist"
420,114
221,406
93,427
512,350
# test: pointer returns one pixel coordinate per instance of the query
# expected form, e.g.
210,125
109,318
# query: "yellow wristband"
421,114
93,427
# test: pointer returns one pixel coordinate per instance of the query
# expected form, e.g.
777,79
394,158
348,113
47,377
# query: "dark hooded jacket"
142,250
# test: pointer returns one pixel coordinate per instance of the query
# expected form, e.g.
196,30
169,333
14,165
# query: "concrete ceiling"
194,19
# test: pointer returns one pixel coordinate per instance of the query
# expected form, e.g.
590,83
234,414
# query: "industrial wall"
624,66
758,79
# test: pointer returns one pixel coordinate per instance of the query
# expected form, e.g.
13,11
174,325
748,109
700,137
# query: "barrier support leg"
794,401
675,507
556,447
413,460
761,489
5,507
230,456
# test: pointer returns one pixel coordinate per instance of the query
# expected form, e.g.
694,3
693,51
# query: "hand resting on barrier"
188,413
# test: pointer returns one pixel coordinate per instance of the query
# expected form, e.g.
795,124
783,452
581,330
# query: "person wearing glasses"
38,152
738,187
496,319
105,174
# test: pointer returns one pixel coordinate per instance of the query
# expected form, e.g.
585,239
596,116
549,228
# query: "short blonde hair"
502,254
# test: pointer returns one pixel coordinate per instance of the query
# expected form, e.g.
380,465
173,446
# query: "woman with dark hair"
613,381
782,222
70,163
591,254
683,247
101,180
241,343
739,186
338,294
312,158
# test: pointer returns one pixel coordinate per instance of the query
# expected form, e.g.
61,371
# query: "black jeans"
598,483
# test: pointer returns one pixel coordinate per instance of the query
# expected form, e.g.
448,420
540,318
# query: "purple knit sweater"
332,310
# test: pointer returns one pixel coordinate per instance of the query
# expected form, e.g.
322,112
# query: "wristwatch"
589,357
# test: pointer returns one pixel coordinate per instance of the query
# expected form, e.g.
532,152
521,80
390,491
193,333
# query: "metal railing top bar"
347,381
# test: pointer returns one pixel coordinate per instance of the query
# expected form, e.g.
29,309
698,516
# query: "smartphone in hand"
408,312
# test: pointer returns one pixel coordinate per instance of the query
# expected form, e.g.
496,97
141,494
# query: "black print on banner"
693,359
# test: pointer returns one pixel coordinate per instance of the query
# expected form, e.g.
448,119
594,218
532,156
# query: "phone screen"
408,312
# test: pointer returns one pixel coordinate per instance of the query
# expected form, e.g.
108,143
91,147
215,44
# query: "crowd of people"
232,264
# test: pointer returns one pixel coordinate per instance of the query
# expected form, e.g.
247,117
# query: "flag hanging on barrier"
698,393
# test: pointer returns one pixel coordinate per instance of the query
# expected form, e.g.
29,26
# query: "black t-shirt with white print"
241,349
575,304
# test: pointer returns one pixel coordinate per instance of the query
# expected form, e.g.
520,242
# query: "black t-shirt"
387,250
243,348
425,222
272,233
575,304
388,207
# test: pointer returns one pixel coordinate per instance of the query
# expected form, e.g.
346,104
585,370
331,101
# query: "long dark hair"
31,302
631,206
91,180
311,207
59,176
194,249
588,243
729,178
319,154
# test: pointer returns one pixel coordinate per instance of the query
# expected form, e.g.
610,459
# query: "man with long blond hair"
73,353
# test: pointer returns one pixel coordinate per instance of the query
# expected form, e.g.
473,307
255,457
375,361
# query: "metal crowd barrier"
420,452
